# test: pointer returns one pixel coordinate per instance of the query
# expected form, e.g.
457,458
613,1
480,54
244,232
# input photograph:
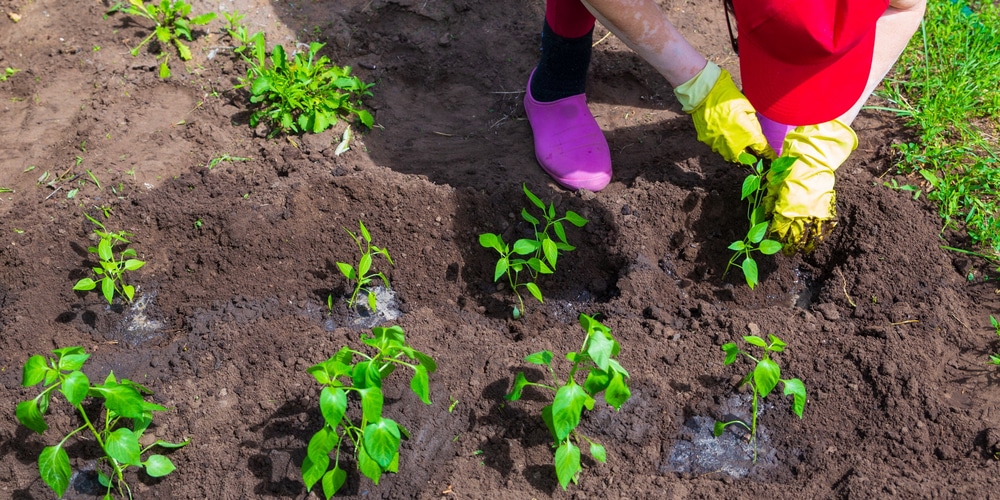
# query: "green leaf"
567,463
749,267
28,414
575,219
490,240
133,264
597,451
736,246
381,440
53,465
797,390
531,196
769,247
566,409
599,348
318,451
732,352
540,358
333,405
550,251
368,466
365,265
525,246
371,403
420,384
182,50
166,444
765,376
617,392
104,250
85,284
121,399
528,217
500,269
34,371
347,270
75,387
750,186
260,85
519,382
313,472
597,381
757,232
129,292
718,428
108,288
123,446
158,466
204,18
746,158
777,345
755,340
535,292
333,480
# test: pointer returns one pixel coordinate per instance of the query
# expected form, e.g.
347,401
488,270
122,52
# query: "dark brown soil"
885,328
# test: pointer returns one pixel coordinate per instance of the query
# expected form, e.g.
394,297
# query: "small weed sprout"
540,253
302,92
995,358
122,401
362,275
375,438
762,379
111,272
594,363
754,188
172,24
7,73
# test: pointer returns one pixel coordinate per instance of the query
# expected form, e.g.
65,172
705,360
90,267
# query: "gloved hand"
722,115
804,204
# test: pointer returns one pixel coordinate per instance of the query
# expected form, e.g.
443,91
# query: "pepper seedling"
995,358
123,401
111,272
362,275
375,438
596,365
762,379
540,253
754,189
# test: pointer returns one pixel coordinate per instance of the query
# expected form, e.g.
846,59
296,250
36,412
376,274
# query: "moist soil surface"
241,234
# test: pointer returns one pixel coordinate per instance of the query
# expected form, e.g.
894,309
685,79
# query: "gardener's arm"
723,117
892,33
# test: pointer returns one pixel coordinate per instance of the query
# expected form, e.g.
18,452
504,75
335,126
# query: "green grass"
947,86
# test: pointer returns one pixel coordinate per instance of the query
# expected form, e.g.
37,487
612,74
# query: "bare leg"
647,31
893,32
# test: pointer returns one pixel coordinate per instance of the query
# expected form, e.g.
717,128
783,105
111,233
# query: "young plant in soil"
172,24
111,272
754,189
596,366
300,93
363,275
995,358
762,379
122,403
538,255
374,437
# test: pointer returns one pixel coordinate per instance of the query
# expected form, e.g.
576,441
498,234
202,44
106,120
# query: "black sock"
562,68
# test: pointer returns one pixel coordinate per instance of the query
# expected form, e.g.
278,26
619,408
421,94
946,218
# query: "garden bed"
889,332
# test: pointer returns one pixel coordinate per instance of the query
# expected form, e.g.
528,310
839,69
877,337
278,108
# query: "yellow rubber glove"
722,115
804,204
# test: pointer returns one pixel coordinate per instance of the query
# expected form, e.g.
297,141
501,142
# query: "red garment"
804,62
568,18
